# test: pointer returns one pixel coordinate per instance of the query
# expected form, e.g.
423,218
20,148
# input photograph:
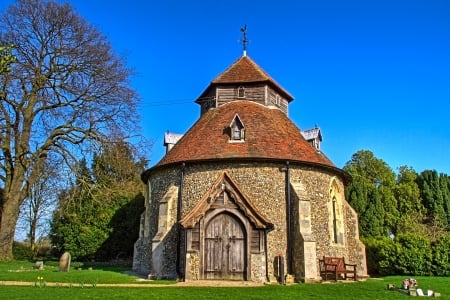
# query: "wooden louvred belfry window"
241,92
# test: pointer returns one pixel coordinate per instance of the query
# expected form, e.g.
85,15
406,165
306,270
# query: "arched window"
335,231
336,213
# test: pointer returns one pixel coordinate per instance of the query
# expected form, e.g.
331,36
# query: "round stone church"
244,194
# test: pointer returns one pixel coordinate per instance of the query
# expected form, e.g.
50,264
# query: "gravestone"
39,265
289,279
64,262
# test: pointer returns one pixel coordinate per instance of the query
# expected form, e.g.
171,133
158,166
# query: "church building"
244,194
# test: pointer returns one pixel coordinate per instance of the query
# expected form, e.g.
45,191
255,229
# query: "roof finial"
244,40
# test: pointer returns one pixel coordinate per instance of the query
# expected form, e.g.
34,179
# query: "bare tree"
36,211
65,91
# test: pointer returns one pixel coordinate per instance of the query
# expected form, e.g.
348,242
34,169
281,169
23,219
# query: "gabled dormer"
244,80
237,130
313,137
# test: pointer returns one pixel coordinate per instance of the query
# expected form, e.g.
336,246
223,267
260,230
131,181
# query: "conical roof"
244,71
269,135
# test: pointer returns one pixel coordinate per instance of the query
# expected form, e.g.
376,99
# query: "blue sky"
372,74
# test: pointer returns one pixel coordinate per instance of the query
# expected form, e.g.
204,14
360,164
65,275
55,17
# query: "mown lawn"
83,286
79,273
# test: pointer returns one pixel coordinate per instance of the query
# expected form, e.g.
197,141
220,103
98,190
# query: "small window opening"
237,129
241,92
277,99
236,133
335,233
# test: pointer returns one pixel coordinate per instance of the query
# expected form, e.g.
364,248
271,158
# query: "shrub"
441,256
381,253
22,251
415,254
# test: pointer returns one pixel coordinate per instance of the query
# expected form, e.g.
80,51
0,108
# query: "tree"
66,91
99,217
36,210
444,186
371,193
6,58
409,202
435,197
69,217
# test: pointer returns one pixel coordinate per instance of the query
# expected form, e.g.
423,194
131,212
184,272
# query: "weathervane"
244,40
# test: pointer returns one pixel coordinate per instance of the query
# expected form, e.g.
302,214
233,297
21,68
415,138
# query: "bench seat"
334,267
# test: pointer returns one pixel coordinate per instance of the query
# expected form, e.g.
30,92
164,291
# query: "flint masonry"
243,189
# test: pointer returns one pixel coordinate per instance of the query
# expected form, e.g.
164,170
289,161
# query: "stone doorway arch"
222,230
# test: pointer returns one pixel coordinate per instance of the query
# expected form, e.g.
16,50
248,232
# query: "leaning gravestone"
64,262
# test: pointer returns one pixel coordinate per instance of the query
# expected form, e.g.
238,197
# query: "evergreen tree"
444,182
433,193
372,219
371,193
99,217
410,205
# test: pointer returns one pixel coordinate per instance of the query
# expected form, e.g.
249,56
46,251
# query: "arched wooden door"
225,248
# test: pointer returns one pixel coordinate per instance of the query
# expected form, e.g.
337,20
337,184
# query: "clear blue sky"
373,74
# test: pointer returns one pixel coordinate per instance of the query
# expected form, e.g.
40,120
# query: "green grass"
372,289
79,273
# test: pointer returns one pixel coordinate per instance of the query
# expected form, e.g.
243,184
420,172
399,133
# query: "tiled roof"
269,134
242,70
245,70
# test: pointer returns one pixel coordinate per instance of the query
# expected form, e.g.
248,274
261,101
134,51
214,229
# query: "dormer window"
241,92
237,130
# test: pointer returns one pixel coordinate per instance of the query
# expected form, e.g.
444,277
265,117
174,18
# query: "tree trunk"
10,214
33,227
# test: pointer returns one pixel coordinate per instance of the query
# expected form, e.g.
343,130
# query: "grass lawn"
79,273
83,286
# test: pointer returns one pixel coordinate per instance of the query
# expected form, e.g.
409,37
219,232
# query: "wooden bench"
335,267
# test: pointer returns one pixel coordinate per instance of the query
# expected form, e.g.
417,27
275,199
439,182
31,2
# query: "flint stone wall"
264,184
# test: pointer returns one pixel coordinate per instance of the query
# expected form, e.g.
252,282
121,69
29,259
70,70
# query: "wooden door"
224,249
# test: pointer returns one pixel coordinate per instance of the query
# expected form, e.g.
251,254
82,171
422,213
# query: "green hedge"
441,256
408,254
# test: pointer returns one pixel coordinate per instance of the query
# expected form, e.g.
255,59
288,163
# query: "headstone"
289,279
412,291
64,262
39,265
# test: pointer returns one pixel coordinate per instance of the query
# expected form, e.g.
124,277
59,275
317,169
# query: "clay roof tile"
269,134
243,71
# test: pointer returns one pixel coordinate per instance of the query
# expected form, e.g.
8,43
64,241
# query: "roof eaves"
347,178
